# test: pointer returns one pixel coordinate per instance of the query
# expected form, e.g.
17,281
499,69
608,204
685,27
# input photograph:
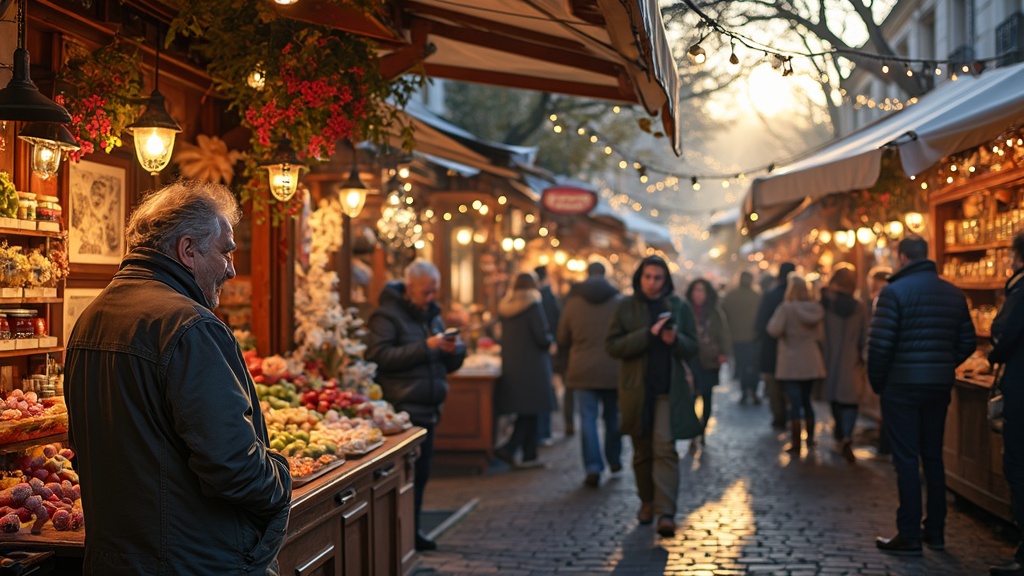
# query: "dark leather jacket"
1008,338
920,332
413,377
175,474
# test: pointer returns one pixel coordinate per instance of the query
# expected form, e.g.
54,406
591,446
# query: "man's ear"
187,252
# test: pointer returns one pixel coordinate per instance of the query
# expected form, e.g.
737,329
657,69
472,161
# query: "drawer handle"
384,472
345,497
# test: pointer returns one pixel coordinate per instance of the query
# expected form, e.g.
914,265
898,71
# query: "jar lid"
20,312
48,199
26,195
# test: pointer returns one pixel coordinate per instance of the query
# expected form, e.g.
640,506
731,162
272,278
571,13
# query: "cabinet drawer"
316,552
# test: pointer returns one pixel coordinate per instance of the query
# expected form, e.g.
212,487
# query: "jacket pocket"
263,555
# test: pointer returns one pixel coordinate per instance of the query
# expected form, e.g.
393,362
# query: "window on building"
927,47
959,19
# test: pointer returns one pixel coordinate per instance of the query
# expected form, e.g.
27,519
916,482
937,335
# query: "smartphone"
451,333
667,316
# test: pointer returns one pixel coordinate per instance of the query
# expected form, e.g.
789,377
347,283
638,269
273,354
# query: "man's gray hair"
419,268
184,208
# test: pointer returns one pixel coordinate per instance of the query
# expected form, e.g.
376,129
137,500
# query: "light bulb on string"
695,183
910,73
885,68
697,54
733,59
938,70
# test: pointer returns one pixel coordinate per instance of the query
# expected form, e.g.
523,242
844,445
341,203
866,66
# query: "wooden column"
345,274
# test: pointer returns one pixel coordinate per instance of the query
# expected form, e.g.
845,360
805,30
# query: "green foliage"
8,196
318,85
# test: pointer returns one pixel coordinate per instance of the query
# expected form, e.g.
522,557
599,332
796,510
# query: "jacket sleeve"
967,342
884,336
207,393
1007,334
724,333
539,328
564,333
621,342
452,360
763,315
776,326
382,347
686,332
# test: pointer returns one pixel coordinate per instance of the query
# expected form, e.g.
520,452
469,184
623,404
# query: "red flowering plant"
310,83
102,91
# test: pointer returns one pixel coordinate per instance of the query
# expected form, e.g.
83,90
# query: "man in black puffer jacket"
406,339
920,332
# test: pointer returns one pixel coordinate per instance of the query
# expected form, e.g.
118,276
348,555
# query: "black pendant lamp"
21,100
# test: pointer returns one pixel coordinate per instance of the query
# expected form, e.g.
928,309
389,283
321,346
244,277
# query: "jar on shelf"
5,327
48,208
22,322
41,327
27,206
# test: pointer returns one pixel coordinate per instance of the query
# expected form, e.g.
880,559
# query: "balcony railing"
1009,40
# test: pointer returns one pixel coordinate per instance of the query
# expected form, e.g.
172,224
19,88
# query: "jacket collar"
151,264
1013,283
919,267
393,294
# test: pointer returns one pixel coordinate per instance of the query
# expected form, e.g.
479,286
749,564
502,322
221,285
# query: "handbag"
995,402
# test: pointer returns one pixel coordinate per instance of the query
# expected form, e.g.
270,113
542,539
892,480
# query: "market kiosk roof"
953,117
606,49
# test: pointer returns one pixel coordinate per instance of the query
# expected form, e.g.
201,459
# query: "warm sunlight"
768,92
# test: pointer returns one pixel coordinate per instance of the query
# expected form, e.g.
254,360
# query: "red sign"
568,201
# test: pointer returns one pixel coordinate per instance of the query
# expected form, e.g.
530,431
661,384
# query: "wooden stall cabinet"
466,431
358,519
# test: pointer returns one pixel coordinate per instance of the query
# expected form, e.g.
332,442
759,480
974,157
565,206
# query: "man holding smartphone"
414,354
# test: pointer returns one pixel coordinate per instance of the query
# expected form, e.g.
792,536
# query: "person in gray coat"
524,388
740,306
845,339
592,374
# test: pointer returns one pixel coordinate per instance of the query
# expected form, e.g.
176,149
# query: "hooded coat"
629,339
525,383
171,443
740,306
845,338
413,377
799,329
582,330
768,352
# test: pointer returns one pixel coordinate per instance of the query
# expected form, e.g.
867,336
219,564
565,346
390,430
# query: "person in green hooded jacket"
655,397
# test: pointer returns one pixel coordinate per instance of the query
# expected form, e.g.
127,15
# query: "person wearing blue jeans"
800,408
591,373
606,402
920,332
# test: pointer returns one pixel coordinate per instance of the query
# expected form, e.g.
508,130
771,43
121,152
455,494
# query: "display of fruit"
18,405
52,466
330,397
59,500
279,396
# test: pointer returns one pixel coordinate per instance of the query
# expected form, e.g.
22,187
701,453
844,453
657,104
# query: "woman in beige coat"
797,324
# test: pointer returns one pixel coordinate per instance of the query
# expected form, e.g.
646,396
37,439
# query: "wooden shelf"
36,233
959,248
994,284
7,301
33,442
30,352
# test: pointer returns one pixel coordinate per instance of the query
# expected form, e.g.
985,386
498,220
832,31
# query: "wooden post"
345,274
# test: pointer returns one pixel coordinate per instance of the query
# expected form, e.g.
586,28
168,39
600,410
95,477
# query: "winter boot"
809,423
794,434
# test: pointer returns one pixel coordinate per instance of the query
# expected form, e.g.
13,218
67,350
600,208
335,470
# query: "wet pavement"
745,507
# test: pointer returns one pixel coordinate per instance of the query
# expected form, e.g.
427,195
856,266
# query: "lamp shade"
49,142
352,194
284,170
154,133
21,99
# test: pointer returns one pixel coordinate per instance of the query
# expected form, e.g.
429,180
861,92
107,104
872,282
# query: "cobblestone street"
745,507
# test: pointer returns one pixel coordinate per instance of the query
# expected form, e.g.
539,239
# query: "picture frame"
76,300
95,216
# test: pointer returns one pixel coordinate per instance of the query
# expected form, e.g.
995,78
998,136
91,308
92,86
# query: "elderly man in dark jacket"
769,347
592,373
172,446
921,331
406,339
1008,351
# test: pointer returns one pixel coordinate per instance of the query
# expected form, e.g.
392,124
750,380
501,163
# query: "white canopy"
953,117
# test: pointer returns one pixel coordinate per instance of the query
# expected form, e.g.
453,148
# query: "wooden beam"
617,93
401,61
340,17
517,46
418,10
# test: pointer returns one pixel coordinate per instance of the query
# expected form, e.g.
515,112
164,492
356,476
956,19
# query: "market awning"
955,116
607,49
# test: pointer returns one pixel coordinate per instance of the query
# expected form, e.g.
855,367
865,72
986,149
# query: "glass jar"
41,327
22,322
5,328
26,206
48,208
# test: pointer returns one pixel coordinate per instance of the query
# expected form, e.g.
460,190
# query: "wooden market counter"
354,520
972,452
466,430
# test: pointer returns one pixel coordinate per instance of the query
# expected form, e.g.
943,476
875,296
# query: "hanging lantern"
21,99
154,133
914,221
49,142
284,169
352,194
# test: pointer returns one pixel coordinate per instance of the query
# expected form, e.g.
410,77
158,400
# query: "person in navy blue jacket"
1008,351
920,332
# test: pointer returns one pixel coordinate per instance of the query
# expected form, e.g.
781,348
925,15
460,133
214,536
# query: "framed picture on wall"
96,205
75,302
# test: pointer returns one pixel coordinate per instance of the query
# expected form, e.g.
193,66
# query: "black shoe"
897,545
424,544
504,457
1011,569
593,479
615,468
934,541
